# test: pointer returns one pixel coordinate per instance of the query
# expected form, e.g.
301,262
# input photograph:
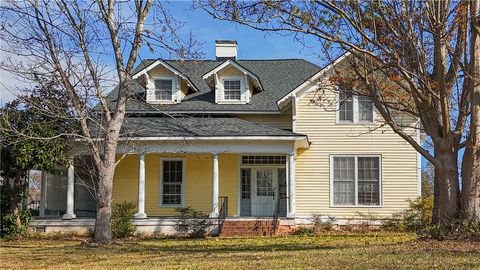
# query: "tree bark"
446,188
16,197
106,171
471,157
103,225
471,183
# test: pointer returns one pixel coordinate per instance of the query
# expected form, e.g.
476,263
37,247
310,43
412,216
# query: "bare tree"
87,46
471,159
415,58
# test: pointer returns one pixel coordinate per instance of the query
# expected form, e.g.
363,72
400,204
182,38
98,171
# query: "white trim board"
237,66
380,181
278,147
219,138
157,62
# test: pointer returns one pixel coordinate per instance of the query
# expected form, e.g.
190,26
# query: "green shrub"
122,214
304,231
10,230
191,223
460,229
413,219
321,225
418,219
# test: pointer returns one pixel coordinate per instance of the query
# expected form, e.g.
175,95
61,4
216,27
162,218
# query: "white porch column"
291,186
43,194
215,187
70,193
141,189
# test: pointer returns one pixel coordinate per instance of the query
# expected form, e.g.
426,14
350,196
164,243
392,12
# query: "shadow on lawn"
224,248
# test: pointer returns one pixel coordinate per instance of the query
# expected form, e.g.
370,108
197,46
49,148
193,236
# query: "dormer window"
232,83
232,89
164,89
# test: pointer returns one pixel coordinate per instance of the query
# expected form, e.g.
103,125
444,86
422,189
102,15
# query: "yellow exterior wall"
125,180
197,182
399,161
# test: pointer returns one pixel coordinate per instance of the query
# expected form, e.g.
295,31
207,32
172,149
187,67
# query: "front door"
264,192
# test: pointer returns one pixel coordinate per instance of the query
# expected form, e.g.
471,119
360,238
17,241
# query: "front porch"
162,225
255,178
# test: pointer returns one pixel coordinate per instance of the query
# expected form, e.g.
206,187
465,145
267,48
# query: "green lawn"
335,251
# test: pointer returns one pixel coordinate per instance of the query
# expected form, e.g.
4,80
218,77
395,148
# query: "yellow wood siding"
282,121
125,180
230,71
197,182
228,177
399,161
160,71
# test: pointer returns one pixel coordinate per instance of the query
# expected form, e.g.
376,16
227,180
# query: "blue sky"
252,44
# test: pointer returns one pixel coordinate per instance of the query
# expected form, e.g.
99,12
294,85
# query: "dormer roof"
231,62
175,71
278,78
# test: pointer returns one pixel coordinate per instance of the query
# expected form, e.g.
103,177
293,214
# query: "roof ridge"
214,60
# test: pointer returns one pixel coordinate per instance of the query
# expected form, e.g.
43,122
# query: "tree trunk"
17,197
103,225
446,188
471,157
471,183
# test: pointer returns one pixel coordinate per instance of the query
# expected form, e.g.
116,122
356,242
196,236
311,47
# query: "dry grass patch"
330,251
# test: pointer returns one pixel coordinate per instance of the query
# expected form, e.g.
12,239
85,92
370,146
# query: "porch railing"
276,214
222,212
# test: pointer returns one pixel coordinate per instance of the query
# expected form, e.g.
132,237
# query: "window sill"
162,102
346,123
356,206
170,205
231,102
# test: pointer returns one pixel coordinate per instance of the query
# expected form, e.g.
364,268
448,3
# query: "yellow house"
242,139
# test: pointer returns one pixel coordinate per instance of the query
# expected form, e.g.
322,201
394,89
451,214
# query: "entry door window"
265,183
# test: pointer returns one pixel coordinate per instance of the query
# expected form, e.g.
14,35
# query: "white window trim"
222,80
164,101
380,184
160,196
356,112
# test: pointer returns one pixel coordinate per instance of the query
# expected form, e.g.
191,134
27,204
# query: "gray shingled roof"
197,127
278,78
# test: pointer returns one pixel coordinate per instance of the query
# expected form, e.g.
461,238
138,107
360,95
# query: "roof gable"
278,77
231,62
152,65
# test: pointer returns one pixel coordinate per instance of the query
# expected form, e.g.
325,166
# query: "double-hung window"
365,109
355,180
232,89
163,89
171,182
353,108
345,108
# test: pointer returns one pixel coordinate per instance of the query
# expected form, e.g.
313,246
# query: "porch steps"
259,227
